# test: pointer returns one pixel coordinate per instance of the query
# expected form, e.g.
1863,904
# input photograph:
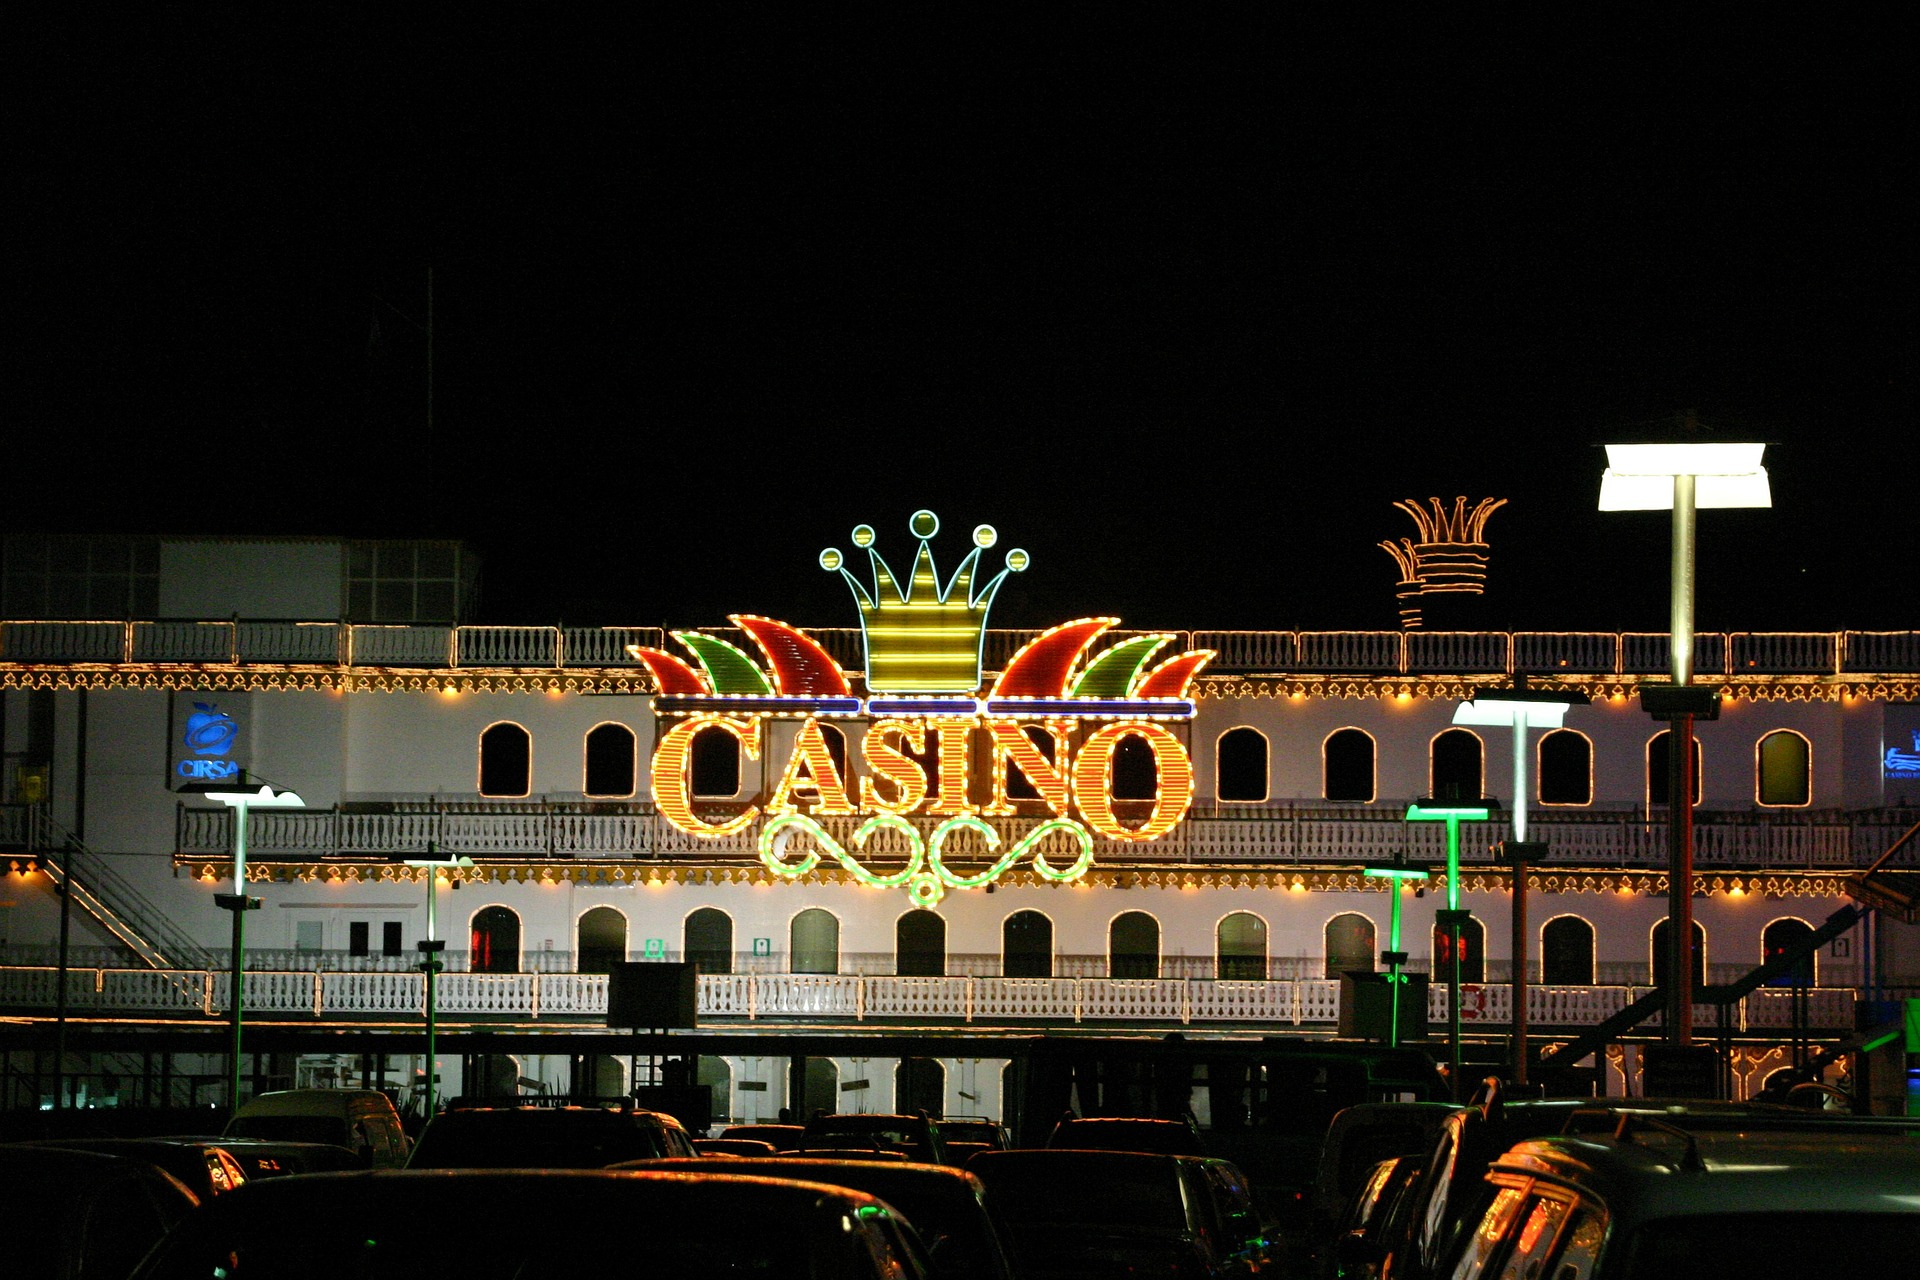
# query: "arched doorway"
1349,942
1658,960
717,1075
601,941
598,1075
1473,953
1133,946
707,940
1026,945
490,1075
610,760
1456,766
920,945
820,1091
1241,946
1566,952
814,942
1783,770
1347,759
920,1084
1566,768
506,760
493,943
1240,765
1775,940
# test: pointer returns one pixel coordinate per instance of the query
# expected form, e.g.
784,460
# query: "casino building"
906,822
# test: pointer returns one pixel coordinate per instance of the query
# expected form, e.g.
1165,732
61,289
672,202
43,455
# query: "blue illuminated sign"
209,735
1904,764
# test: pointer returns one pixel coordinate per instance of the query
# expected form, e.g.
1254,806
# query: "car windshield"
327,1129
532,1140
1739,1246
1046,1192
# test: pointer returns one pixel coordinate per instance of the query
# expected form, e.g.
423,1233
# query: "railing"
856,998
1213,834
106,895
238,642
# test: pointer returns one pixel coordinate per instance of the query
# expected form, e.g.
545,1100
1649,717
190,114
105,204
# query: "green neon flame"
1114,673
728,668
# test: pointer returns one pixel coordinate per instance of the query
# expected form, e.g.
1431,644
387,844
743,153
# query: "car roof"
866,1175
1650,1172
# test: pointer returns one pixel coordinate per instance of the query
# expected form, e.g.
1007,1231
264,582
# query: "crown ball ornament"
924,634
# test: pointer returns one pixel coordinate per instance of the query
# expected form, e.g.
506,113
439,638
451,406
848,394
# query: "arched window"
920,1084
1775,939
1455,761
1026,945
1133,946
920,945
1240,765
713,763
1473,953
610,760
490,1075
1347,758
1566,767
1566,952
1657,768
1657,967
1241,943
708,935
813,944
717,1075
602,941
597,1075
1136,770
506,760
1783,769
493,943
1349,938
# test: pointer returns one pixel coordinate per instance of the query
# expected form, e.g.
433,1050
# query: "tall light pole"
1453,919
1521,708
1682,477
242,800
430,948
1394,957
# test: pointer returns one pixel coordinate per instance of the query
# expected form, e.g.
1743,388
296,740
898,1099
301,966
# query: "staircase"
107,896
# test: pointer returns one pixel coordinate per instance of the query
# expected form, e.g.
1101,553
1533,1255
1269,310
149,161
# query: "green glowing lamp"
1393,956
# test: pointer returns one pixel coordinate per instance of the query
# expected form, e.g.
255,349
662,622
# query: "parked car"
539,1225
733,1147
1452,1191
84,1215
990,1134
361,1120
203,1167
1352,1250
546,1138
1359,1138
1127,1133
946,1206
1659,1198
1068,1213
915,1137
260,1158
784,1137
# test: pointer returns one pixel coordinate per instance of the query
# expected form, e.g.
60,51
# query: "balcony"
1250,836
277,643
859,999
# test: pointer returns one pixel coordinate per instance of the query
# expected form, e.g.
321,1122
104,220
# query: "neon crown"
922,636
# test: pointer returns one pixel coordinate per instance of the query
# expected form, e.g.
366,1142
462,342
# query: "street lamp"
1681,477
1522,709
1453,918
1394,957
242,800
430,948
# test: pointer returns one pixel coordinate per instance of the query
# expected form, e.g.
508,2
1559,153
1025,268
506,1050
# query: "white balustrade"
726,995
573,994
1051,998
1154,999
160,989
806,995
39,987
374,992
1317,1000
486,993
1228,1000
893,997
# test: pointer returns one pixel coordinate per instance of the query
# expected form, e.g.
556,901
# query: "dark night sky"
1181,304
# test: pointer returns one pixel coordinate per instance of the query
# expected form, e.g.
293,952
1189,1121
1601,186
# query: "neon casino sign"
1059,712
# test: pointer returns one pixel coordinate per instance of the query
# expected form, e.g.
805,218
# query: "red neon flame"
1171,678
1043,665
669,673
801,668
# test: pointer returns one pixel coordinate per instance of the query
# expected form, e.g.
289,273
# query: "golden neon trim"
672,774
821,776
1093,775
892,765
1050,778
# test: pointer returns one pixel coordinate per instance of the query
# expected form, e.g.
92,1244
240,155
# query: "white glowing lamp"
1639,477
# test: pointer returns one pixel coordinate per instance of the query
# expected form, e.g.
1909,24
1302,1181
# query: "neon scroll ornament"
937,748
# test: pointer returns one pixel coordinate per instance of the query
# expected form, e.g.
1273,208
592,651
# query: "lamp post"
242,800
1682,477
1394,957
430,948
1522,709
1453,918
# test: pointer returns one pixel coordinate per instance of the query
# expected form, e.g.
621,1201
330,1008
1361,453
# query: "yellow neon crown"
922,637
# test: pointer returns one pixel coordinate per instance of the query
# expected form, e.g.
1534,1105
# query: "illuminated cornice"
1326,879
260,677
